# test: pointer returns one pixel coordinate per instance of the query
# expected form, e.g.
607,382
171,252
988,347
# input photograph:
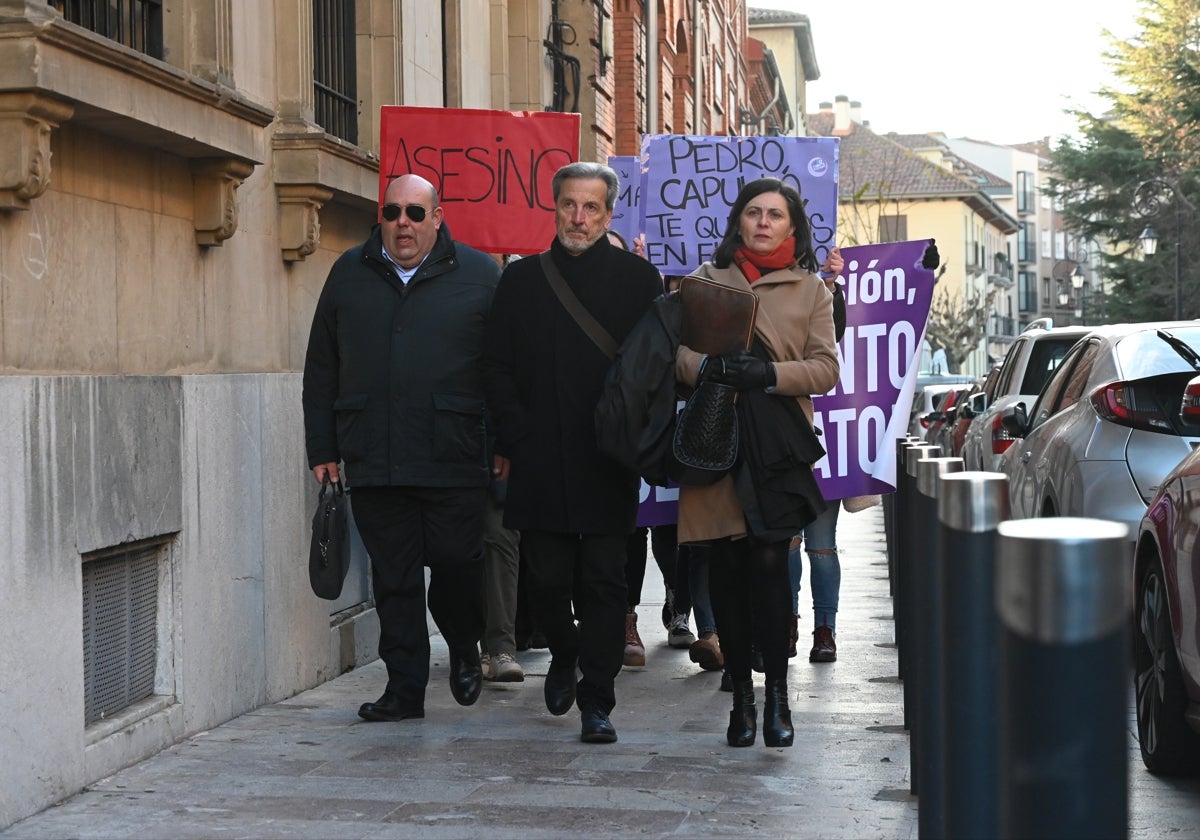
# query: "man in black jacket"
393,390
574,506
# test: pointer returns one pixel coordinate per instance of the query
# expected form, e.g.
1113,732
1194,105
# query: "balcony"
1001,272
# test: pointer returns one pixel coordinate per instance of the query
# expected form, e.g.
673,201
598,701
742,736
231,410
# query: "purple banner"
888,294
689,183
626,220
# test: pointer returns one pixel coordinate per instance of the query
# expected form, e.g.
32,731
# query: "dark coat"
392,380
544,377
635,417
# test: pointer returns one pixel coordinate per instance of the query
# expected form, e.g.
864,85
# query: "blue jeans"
825,579
694,561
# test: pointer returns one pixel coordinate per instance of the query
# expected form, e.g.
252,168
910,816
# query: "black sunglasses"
415,212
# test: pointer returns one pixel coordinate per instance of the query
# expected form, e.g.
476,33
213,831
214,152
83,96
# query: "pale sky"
999,72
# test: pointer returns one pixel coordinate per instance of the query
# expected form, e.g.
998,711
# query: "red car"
1167,615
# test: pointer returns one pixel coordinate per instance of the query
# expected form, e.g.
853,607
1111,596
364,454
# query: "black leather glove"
743,371
931,259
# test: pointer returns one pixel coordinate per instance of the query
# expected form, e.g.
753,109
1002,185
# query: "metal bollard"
906,492
970,507
905,637
1063,602
889,512
924,654
925,742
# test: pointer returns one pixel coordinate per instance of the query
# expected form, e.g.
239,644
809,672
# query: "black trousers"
405,529
749,586
588,571
664,546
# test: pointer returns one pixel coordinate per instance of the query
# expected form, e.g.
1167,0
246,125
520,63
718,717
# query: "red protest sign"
492,169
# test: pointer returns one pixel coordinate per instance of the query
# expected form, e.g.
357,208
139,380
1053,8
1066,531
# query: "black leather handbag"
705,445
329,551
717,319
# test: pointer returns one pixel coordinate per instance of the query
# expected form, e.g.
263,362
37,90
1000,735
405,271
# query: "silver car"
1027,366
1105,430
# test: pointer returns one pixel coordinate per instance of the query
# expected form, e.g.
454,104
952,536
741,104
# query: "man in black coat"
394,391
574,506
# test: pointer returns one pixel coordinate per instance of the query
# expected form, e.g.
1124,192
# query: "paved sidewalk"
310,768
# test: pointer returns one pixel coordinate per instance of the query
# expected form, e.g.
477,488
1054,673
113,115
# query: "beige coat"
795,322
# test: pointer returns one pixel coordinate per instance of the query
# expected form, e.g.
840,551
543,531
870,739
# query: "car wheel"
1169,746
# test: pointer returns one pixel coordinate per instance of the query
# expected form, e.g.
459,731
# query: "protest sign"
888,293
626,217
689,183
492,169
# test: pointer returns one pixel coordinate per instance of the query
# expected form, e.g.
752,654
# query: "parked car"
1026,367
1105,429
1166,580
928,394
945,420
968,409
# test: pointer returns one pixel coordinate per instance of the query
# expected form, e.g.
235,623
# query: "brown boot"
706,652
795,636
824,649
635,651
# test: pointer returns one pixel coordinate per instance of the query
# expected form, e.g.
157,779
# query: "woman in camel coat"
767,248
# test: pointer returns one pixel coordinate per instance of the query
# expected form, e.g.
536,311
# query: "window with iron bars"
335,92
137,24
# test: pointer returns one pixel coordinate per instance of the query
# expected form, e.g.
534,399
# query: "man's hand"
499,468
743,371
322,470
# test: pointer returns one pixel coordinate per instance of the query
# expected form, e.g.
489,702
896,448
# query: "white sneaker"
503,668
679,635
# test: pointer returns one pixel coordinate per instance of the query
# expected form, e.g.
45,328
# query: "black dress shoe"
389,707
597,728
466,677
560,688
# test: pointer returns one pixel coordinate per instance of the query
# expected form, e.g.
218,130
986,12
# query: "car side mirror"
978,404
1015,420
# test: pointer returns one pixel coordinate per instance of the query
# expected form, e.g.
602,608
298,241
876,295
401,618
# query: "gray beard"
575,250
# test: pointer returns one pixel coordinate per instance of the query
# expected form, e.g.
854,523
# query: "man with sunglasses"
393,390
574,506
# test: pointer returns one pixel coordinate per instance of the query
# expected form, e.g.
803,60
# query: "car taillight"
1118,402
1001,439
1189,409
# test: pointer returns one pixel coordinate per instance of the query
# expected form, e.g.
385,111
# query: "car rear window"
1043,361
1145,354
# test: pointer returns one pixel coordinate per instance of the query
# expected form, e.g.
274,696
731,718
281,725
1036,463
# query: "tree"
1151,130
957,324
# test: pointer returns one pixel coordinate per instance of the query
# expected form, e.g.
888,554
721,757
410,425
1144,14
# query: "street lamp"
1077,283
1148,200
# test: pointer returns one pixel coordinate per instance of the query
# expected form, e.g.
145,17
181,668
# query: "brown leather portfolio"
716,318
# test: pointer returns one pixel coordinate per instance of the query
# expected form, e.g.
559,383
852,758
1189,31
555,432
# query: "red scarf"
753,265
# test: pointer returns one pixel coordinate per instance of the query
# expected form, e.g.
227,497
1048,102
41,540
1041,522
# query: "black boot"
743,720
777,717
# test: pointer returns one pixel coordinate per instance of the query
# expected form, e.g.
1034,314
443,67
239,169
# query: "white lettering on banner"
869,426
871,286
901,346
662,495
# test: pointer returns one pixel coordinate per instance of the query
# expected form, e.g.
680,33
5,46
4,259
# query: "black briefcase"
329,551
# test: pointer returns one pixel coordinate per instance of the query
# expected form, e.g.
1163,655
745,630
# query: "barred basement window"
335,92
120,626
135,23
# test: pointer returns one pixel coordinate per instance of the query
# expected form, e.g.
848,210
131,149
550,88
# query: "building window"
121,636
1026,245
893,228
136,24
1027,291
335,95
1026,194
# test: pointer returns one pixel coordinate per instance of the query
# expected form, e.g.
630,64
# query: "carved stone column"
214,197
299,225
26,119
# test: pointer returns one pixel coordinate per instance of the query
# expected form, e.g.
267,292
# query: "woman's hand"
743,371
834,264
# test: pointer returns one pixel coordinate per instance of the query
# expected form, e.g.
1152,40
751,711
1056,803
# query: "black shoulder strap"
590,326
